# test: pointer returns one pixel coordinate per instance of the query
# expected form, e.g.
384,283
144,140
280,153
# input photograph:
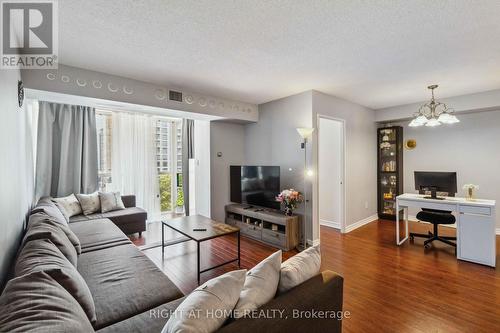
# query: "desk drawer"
474,210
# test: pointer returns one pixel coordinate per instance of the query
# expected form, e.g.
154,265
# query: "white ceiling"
376,53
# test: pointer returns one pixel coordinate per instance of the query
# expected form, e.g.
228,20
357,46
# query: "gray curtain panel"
187,153
66,150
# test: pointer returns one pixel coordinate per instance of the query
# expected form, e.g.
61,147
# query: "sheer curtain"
133,158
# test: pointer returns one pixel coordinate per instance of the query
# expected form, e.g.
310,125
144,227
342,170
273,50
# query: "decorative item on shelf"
274,227
389,166
433,113
389,195
410,144
469,191
385,145
290,199
248,220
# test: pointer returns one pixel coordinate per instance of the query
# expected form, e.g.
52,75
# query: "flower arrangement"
290,199
469,190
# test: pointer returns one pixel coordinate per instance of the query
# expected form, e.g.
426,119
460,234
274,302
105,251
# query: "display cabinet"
389,170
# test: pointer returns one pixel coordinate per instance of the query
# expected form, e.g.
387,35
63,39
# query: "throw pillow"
260,285
208,306
299,268
42,255
37,303
40,226
90,203
70,205
111,201
50,208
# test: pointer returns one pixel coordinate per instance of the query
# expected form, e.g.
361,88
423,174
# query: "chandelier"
433,113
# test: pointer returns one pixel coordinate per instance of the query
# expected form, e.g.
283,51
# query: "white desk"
476,239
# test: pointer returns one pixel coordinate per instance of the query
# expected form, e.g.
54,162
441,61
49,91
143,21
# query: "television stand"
268,226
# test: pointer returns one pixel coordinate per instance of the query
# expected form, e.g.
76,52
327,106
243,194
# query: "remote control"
202,229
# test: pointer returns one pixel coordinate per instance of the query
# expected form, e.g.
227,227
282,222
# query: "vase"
470,194
288,211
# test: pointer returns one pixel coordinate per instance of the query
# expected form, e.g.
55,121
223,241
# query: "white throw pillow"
90,203
260,285
111,201
299,268
206,309
69,206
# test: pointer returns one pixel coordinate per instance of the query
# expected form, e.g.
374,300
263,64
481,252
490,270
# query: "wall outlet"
366,204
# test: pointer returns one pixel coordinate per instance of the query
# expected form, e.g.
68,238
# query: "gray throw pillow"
42,255
260,285
299,268
70,205
40,226
90,203
111,201
37,303
47,206
217,295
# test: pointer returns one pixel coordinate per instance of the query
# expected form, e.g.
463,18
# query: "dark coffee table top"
186,224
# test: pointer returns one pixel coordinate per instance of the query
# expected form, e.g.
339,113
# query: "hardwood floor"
386,288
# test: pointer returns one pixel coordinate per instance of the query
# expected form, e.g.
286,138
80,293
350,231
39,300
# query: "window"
168,148
104,127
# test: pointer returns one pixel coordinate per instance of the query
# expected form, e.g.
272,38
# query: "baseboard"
361,223
312,242
330,224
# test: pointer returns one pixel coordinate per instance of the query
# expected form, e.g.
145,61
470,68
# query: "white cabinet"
476,235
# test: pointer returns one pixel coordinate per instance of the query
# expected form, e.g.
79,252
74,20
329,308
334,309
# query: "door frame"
343,166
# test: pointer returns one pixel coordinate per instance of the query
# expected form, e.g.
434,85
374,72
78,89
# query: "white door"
331,172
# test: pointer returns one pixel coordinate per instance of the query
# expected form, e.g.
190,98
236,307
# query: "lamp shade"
305,132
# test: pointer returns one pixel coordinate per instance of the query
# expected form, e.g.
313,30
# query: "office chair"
436,217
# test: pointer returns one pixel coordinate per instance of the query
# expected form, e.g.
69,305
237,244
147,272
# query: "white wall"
330,147
228,139
274,140
361,154
16,169
471,148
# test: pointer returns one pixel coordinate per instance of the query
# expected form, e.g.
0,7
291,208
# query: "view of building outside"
168,147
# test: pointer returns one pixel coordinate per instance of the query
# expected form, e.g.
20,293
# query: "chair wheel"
427,246
412,237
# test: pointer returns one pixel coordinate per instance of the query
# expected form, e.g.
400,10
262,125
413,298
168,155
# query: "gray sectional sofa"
129,293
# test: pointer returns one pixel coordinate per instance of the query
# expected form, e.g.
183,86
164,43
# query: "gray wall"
470,148
360,155
228,139
16,170
274,140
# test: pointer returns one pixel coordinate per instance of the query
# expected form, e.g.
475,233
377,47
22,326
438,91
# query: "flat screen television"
255,185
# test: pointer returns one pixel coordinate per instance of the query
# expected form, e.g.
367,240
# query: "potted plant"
290,199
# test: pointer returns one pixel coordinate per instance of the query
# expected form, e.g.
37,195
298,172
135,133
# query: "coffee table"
213,229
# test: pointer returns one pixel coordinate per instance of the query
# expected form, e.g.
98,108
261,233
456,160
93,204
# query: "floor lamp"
305,133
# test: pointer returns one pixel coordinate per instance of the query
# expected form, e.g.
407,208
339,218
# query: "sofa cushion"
124,282
42,255
218,294
149,321
90,203
47,206
37,303
260,286
129,220
70,205
41,226
299,268
98,234
111,201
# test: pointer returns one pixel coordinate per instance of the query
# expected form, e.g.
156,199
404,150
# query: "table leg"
239,250
397,223
198,261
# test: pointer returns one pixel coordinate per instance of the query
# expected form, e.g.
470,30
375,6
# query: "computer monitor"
436,182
